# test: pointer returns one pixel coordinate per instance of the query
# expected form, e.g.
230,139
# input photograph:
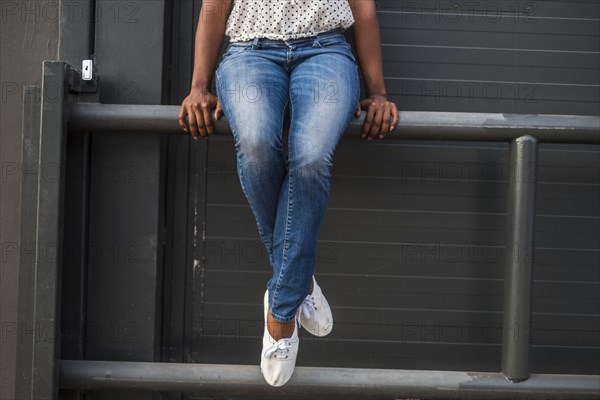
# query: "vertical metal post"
46,303
29,195
518,276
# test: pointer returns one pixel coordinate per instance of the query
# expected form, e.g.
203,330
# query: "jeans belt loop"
316,42
255,43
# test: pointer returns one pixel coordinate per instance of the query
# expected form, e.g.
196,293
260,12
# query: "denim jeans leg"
324,91
319,85
254,95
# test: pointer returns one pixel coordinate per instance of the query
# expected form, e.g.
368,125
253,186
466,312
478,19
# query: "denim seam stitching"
287,220
272,242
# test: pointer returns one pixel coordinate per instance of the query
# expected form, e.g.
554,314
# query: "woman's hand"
197,107
377,121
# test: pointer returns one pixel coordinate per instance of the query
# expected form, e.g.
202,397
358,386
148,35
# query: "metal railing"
322,382
523,132
412,125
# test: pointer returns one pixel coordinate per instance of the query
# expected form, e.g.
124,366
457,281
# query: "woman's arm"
368,49
209,36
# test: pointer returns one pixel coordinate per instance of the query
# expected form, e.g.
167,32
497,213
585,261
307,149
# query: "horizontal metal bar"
330,383
416,125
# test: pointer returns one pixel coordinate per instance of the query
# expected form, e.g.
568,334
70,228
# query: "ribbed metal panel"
493,56
411,258
413,246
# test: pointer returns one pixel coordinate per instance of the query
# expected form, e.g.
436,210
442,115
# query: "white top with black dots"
286,19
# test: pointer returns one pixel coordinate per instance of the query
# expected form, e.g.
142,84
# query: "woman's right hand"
197,107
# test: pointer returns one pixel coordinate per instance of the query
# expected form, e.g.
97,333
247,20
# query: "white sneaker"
314,313
278,358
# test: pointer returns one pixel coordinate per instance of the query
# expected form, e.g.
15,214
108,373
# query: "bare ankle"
279,330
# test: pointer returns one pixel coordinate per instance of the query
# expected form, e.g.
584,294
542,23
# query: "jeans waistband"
262,40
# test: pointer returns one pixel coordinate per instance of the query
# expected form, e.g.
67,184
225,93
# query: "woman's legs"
318,82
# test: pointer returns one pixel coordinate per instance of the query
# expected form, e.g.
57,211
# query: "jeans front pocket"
236,48
239,46
337,42
334,41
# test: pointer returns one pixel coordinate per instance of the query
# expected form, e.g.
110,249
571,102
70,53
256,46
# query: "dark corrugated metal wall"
411,254
412,248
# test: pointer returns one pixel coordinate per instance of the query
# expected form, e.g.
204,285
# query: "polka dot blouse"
286,19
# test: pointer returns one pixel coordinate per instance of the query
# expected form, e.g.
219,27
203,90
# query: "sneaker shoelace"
307,308
281,349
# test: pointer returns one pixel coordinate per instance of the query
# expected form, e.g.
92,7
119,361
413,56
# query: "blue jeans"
260,81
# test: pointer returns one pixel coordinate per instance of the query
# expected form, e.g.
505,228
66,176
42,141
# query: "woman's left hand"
377,121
